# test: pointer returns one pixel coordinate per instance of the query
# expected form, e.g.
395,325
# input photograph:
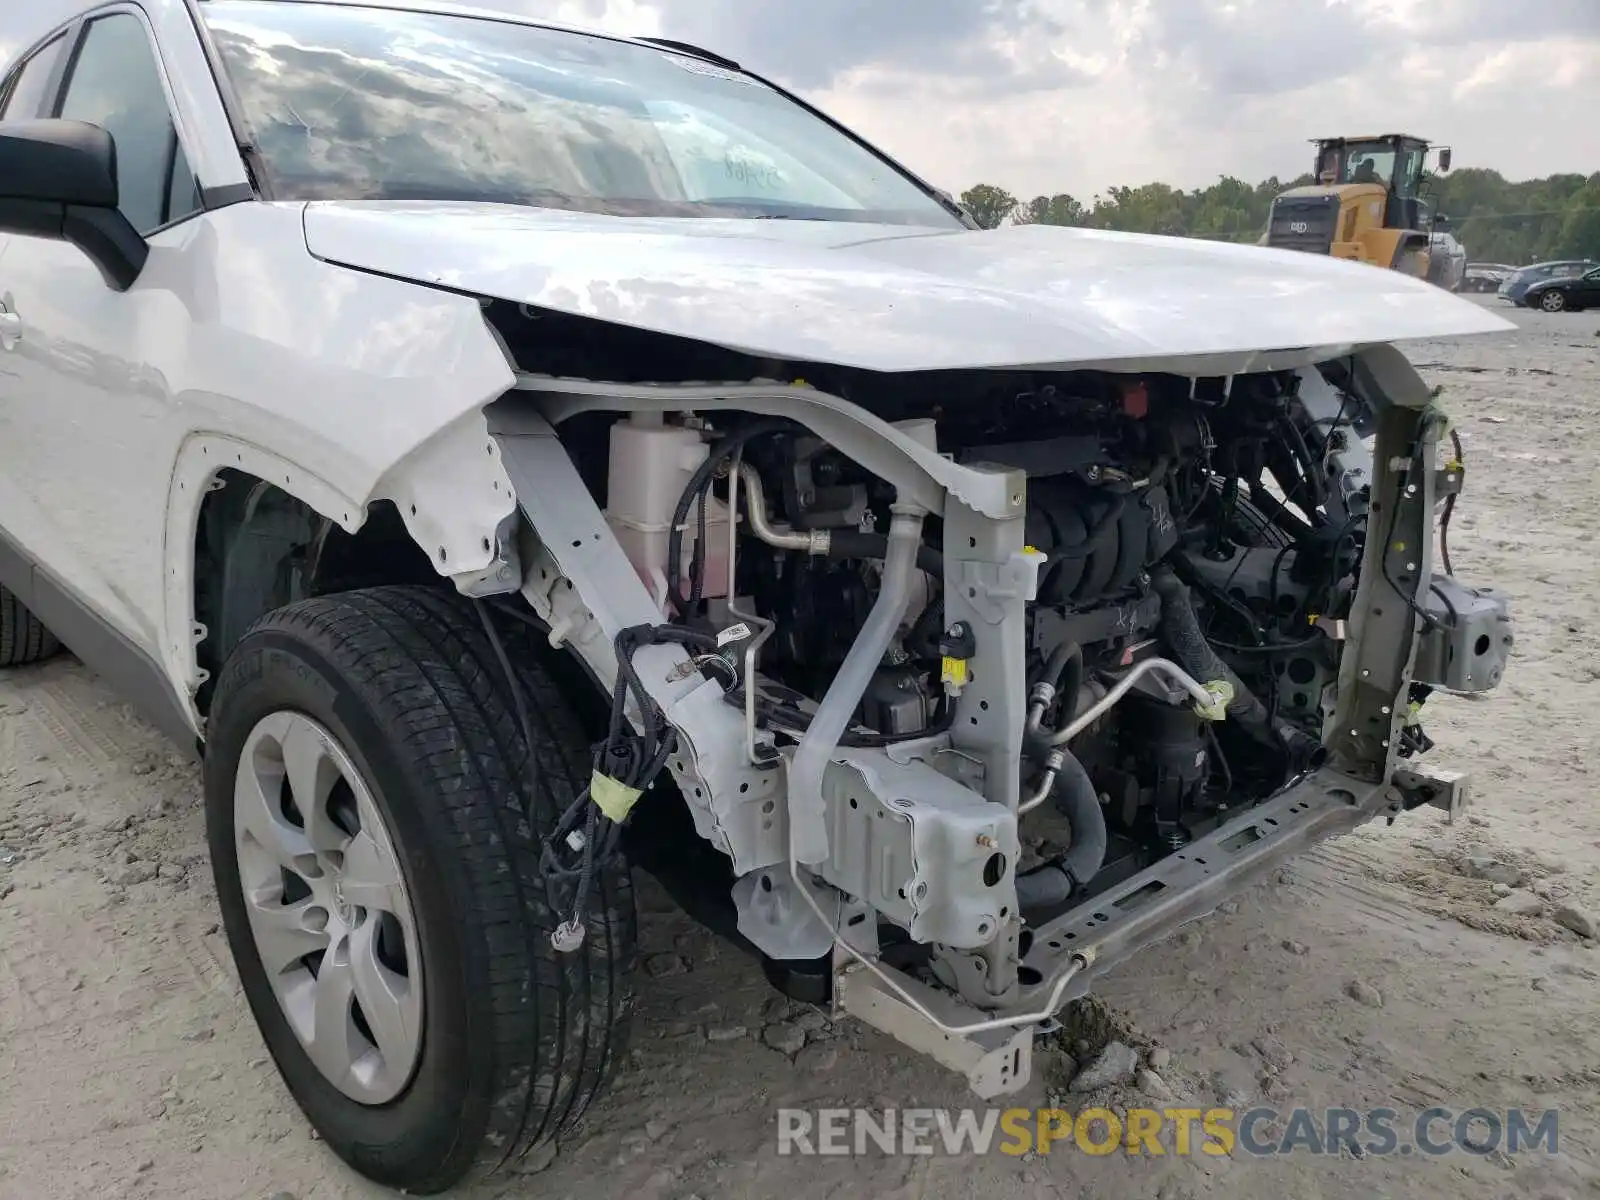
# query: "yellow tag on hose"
953,671
1222,691
612,797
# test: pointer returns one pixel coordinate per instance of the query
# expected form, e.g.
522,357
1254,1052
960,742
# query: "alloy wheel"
328,907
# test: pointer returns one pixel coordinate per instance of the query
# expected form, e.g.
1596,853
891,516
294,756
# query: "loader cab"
1393,162
1365,203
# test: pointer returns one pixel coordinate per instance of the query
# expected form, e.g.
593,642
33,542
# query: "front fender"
364,388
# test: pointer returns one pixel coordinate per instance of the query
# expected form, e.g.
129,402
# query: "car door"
90,430
23,94
1587,290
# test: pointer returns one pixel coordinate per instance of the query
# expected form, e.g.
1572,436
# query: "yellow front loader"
1364,205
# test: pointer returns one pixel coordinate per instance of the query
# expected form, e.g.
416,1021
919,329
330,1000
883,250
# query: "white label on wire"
733,633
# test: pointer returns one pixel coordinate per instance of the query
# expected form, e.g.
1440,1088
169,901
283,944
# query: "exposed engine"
1213,525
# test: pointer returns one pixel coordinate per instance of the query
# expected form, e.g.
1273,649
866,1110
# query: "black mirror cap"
109,239
56,161
58,179
1444,158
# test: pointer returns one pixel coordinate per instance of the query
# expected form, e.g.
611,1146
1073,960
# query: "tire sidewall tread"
517,1039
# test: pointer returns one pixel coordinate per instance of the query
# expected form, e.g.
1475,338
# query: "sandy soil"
1377,971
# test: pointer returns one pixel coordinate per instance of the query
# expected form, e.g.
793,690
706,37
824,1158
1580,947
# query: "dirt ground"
1377,971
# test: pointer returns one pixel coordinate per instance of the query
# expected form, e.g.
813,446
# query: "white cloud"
1079,95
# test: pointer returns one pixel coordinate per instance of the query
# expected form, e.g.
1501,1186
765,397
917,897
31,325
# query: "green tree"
1498,220
989,205
1060,209
1580,229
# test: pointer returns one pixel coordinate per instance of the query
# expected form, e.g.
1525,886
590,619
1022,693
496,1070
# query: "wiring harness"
625,763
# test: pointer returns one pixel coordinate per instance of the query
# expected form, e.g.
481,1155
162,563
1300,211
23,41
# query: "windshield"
1369,162
1382,162
358,103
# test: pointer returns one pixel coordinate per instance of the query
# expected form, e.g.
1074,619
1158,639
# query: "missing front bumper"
1144,909
1098,935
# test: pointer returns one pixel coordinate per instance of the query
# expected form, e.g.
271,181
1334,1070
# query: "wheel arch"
248,531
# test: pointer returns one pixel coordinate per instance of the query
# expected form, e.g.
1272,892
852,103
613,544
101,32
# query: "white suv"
510,454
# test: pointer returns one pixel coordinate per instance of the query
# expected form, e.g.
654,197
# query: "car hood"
899,298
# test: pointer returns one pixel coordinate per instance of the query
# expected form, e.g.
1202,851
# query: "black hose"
1449,509
1066,657
1220,597
1063,670
699,483
1056,881
850,543
1319,495
1180,630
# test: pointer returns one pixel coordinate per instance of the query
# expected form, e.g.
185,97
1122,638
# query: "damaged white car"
513,454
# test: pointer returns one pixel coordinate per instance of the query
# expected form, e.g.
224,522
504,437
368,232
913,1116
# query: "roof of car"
444,8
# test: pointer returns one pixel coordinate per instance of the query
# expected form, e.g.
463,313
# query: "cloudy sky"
1077,95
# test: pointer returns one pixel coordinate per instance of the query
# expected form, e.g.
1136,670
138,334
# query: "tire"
515,1039
1552,302
23,639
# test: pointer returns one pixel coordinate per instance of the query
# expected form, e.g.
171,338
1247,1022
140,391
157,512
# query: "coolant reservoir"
649,467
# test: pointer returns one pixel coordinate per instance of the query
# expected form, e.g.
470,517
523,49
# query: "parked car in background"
1565,292
1447,260
1485,277
1515,289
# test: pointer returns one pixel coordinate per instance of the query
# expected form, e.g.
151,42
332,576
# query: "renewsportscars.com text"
1155,1132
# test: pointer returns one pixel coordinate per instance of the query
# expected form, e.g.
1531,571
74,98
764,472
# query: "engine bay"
937,662
1144,554
1219,528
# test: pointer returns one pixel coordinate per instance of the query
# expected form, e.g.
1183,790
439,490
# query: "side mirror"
1441,222
58,179
1444,158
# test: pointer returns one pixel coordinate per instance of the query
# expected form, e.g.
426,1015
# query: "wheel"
23,639
375,818
1552,301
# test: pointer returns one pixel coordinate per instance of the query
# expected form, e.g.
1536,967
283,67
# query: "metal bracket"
989,580
775,918
504,572
1439,787
923,850
1384,628
1470,640
996,1062
919,473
